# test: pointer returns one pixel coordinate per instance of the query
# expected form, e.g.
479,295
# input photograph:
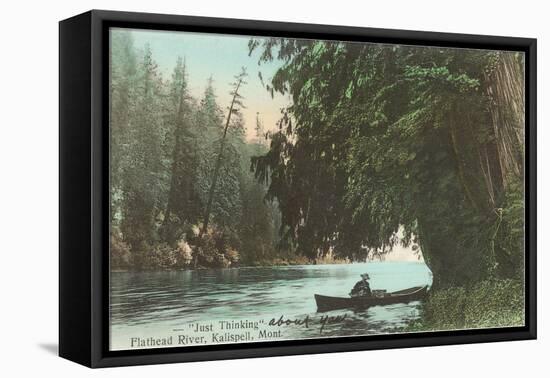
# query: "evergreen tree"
141,175
123,70
183,205
226,153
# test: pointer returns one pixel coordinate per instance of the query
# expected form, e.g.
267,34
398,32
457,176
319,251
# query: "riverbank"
275,262
214,254
299,260
488,304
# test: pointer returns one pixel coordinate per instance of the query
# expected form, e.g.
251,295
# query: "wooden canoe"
326,303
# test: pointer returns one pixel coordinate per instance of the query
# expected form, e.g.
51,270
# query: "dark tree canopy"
380,137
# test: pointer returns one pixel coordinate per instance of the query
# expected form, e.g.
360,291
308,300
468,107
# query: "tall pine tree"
183,205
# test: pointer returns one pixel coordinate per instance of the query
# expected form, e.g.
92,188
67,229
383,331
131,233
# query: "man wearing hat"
361,288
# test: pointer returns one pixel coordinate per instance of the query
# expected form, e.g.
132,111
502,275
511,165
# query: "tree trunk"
505,87
167,224
217,167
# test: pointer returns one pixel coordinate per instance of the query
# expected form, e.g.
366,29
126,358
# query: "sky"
220,56
401,253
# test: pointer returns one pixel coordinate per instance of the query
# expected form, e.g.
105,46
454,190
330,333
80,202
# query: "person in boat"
361,288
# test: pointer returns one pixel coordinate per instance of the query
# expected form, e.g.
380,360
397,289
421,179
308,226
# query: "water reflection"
167,300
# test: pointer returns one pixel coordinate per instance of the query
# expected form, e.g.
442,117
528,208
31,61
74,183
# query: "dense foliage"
486,304
380,137
182,194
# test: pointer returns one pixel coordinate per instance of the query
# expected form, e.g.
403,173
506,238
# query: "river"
174,303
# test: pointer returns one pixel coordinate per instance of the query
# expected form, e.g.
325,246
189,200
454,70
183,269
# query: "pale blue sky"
220,56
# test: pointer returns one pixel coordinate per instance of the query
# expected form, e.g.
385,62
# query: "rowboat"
326,303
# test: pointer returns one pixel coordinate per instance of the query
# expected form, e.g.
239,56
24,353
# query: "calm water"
145,304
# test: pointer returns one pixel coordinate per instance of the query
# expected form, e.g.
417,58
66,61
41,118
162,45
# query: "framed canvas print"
233,188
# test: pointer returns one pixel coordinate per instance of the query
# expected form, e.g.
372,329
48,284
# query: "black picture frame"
83,195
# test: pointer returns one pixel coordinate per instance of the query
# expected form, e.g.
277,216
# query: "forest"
378,138
182,192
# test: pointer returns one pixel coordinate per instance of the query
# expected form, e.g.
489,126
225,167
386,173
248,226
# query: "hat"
365,276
